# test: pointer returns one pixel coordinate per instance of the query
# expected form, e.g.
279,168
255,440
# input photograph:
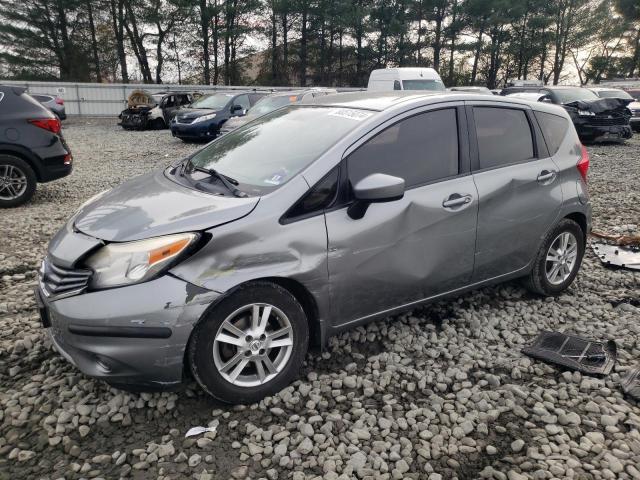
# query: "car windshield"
269,104
216,101
614,94
157,98
422,85
269,151
568,95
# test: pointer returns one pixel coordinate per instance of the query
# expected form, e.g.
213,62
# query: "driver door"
410,249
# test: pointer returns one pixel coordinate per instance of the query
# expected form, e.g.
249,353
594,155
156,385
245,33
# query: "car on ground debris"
32,148
153,110
271,102
201,122
634,107
596,119
296,226
53,103
405,78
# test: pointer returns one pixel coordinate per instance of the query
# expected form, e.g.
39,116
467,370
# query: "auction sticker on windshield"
351,113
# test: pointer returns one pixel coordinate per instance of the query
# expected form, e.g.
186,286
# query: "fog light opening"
102,365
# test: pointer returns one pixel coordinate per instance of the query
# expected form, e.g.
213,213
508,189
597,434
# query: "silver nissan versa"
307,221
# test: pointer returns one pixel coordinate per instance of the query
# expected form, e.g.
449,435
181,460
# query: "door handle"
456,200
546,175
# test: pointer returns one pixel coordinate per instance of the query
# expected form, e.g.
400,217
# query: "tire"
17,181
158,124
217,365
542,279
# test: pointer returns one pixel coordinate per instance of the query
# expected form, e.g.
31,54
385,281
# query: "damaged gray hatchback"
307,221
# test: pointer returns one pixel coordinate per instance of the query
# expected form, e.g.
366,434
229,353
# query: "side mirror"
375,188
237,109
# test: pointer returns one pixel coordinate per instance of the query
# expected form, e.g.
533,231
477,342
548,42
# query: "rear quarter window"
554,128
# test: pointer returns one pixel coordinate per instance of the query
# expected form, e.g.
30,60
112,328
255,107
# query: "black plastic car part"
575,353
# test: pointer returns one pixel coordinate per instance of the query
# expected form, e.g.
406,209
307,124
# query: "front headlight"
204,118
118,264
585,113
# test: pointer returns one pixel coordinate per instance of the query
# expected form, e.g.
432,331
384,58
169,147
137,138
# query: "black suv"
32,149
202,120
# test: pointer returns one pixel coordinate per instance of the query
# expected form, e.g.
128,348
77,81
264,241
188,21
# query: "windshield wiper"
228,182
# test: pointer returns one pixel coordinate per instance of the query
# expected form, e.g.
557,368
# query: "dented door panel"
401,252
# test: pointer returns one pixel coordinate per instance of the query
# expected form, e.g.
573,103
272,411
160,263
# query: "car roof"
604,89
380,101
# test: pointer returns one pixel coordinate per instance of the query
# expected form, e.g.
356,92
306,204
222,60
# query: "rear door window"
504,136
419,149
554,128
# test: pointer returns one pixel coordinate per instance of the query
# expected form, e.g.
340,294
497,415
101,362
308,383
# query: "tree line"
318,42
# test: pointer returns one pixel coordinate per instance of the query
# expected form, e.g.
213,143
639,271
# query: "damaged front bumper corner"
129,336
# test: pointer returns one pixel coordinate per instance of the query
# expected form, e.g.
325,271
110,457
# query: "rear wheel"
250,345
558,260
17,181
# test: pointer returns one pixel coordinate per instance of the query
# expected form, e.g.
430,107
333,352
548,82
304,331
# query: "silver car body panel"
345,271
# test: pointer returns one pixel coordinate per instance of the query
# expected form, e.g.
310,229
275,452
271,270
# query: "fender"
31,158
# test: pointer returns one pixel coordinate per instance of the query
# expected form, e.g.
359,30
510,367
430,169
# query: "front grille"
607,120
58,281
636,112
185,121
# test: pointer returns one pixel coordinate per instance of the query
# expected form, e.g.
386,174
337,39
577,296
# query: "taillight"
68,159
51,124
583,163
59,101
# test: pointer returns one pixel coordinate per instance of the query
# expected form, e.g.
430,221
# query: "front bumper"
134,121
204,131
635,122
600,133
134,336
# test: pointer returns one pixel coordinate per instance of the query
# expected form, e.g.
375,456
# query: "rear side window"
243,101
504,136
554,128
419,149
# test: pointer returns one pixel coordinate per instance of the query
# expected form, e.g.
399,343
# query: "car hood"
601,105
195,112
153,205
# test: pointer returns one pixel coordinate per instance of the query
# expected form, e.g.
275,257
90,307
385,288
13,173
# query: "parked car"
155,111
32,148
297,226
596,119
405,78
634,107
471,89
53,103
204,117
604,92
271,102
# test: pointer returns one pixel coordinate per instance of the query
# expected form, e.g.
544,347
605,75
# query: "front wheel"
17,181
558,260
250,345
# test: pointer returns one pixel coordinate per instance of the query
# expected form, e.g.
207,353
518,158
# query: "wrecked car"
153,111
596,119
634,107
227,264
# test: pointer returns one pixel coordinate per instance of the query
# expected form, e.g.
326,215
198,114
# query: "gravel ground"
441,392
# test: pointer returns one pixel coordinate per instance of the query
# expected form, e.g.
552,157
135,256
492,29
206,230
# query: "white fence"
107,99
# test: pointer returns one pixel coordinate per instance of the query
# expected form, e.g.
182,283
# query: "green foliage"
323,42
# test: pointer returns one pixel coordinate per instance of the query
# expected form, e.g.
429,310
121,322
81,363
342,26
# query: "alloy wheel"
253,345
561,258
13,182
